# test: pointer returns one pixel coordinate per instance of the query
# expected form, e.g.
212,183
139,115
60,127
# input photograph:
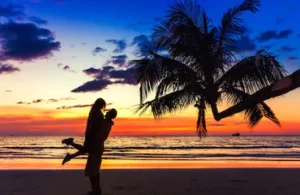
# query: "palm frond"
187,12
253,73
169,103
268,113
232,24
178,81
254,112
150,71
253,115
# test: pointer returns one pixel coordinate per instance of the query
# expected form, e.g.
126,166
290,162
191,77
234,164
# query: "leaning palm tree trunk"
279,88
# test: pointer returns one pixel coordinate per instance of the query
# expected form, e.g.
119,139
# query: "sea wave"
154,148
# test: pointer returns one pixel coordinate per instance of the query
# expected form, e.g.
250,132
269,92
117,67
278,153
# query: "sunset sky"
51,50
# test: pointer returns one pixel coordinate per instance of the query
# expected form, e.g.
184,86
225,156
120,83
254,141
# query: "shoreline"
79,164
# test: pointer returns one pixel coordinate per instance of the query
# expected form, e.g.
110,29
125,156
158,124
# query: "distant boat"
236,134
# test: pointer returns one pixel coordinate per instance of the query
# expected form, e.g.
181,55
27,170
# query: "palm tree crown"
192,62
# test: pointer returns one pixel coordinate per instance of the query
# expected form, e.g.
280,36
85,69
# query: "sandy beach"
159,182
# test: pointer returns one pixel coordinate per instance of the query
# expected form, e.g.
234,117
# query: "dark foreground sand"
159,182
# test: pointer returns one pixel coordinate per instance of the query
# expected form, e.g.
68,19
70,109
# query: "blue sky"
80,27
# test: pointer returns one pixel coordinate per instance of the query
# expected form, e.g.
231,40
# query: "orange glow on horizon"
23,120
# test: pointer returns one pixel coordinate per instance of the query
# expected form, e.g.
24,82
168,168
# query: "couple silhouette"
97,131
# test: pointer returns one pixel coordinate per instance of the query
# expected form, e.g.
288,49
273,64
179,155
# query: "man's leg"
93,181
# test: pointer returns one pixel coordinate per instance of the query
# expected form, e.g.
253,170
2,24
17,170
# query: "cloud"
119,60
52,100
286,49
60,99
93,86
284,34
76,106
65,68
37,101
92,71
98,50
124,76
142,43
120,45
292,58
68,68
106,76
33,102
23,103
12,11
26,42
273,34
37,20
8,91
8,69
245,44
67,98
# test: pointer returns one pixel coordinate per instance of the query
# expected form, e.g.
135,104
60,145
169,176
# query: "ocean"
168,148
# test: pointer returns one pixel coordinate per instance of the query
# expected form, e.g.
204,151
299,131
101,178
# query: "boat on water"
236,134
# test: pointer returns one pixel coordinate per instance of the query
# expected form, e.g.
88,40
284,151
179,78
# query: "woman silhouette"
97,130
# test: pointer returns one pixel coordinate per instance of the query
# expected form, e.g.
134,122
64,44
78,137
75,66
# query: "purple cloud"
245,44
37,20
8,69
93,86
106,76
292,58
12,11
119,60
120,45
286,49
26,42
98,50
273,34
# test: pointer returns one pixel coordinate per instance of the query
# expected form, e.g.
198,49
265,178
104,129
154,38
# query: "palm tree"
191,62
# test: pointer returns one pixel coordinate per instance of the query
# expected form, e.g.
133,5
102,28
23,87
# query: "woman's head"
99,104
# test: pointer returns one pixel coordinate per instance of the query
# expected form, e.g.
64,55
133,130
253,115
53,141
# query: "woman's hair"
98,105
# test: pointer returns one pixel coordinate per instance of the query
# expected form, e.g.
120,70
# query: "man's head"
111,114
